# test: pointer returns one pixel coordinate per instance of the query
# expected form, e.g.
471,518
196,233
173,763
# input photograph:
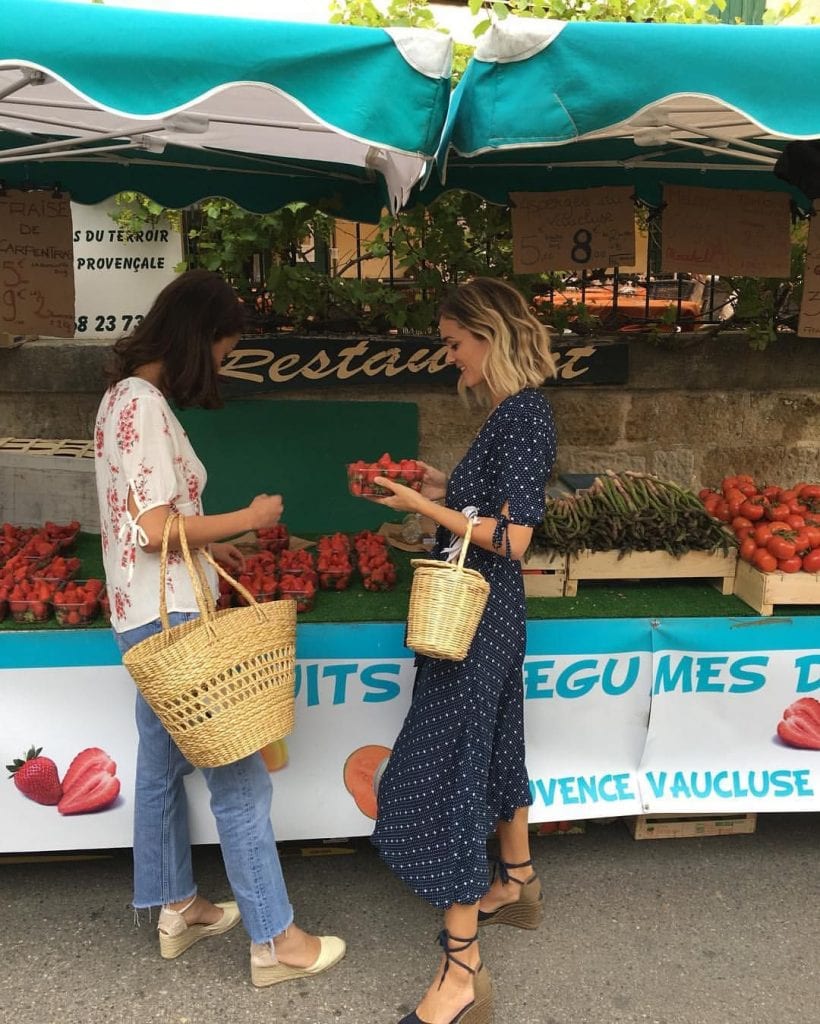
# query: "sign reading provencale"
260,365
592,227
118,275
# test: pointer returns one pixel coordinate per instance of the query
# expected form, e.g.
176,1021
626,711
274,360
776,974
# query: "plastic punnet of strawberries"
777,528
361,475
300,589
333,562
273,538
375,567
78,603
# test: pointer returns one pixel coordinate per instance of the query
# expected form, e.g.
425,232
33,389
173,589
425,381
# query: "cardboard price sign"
721,231
808,325
36,265
592,227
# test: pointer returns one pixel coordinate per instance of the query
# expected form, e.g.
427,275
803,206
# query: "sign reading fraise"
36,283
277,362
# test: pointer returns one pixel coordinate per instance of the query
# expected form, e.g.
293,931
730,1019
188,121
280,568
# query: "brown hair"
187,318
518,353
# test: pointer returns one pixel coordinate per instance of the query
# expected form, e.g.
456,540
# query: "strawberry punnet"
800,725
36,777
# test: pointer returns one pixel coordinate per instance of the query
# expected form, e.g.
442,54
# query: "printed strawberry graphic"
90,784
36,777
800,725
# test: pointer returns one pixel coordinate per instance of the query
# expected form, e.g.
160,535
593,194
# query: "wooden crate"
651,565
763,590
545,575
690,826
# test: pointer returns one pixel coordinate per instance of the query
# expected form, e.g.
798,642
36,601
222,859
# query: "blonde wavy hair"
518,353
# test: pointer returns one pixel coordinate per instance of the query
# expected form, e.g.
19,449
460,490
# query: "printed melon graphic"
362,772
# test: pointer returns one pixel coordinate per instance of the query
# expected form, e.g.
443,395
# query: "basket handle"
463,553
206,606
234,583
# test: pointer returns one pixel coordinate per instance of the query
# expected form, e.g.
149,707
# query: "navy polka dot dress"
457,766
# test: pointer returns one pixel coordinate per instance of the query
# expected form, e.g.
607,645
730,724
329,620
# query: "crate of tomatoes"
778,532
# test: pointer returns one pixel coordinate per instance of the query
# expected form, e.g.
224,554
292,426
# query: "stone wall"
693,410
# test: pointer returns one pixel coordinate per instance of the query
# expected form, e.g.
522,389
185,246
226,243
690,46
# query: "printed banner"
727,730
621,716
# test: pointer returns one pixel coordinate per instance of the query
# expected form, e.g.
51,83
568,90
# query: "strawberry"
93,791
36,777
90,761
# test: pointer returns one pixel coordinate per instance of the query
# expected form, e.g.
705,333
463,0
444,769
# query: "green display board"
299,449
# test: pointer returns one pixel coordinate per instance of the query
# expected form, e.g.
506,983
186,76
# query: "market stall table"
639,698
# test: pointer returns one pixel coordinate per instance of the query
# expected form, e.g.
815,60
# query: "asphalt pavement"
690,931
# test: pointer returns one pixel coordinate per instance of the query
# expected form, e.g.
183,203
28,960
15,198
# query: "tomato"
743,532
734,499
790,564
747,549
706,492
722,512
751,509
727,483
813,533
744,478
811,562
810,491
748,489
779,512
781,527
762,532
795,522
764,561
788,495
780,547
797,507
771,492
802,542
739,522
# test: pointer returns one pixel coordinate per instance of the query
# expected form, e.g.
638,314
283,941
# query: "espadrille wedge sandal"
527,911
480,1009
176,935
266,969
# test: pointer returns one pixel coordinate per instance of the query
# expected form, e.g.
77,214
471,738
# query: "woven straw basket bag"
446,605
223,684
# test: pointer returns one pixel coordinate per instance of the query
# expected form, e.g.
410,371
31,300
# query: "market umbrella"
100,100
548,105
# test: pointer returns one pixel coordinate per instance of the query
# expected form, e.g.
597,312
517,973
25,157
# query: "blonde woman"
457,770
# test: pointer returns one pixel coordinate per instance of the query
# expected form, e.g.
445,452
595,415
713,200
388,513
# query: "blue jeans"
240,802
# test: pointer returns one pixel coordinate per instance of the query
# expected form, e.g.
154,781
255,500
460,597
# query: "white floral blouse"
140,447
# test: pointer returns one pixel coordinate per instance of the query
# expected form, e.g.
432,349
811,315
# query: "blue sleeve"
527,448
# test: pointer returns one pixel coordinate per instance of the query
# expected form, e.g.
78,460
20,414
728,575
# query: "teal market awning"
99,100
548,105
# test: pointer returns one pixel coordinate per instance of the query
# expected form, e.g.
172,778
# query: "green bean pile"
628,512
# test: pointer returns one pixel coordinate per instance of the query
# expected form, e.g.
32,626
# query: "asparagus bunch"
627,512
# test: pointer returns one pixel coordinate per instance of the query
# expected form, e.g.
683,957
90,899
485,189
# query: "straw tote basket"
446,605
223,684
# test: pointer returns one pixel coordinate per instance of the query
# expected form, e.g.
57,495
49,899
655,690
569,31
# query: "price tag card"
592,227
808,326
36,265
723,231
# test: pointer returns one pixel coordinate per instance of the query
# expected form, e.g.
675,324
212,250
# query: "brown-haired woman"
146,470
457,769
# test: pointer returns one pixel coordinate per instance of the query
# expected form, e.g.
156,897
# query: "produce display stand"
651,565
763,591
641,699
545,575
